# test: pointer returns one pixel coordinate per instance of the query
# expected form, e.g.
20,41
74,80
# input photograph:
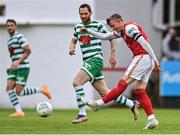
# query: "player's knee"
9,88
104,92
76,83
18,92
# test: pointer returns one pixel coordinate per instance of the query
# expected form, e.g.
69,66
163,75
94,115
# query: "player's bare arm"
27,52
72,46
112,59
158,66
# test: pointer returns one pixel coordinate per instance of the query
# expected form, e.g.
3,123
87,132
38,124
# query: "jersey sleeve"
103,36
102,28
117,34
147,47
132,31
22,40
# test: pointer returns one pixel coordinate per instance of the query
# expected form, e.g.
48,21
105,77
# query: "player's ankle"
100,102
152,116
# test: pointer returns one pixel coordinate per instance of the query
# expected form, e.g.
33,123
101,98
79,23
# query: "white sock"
124,101
82,111
14,100
152,116
30,90
18,108
80,93
38,89
100,102
129,103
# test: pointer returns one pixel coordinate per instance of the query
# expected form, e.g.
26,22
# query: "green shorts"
93,67
20,76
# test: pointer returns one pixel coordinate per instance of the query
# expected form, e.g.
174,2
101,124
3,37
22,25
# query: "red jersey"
128,34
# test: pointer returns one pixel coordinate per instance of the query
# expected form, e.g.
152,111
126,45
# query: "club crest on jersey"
85,39
131,30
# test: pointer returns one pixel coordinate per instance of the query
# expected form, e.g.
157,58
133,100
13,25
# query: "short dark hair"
11,20
85,6
171,27
112,17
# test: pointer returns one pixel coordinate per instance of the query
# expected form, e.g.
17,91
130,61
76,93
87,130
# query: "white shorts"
140,68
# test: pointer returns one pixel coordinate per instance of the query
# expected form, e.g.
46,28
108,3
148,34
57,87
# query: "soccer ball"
44,109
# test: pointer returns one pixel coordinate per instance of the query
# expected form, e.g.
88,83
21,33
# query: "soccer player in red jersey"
138,71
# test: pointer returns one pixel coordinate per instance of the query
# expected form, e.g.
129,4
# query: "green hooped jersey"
15,47
90,45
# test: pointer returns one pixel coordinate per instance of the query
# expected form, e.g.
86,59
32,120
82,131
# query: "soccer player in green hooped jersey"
18,72
92,63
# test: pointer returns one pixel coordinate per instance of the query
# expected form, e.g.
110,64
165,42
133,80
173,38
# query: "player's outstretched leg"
91,104
96,105
33,90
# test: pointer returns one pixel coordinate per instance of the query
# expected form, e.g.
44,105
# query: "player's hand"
15,65
83,29
157,65
72,52
112,61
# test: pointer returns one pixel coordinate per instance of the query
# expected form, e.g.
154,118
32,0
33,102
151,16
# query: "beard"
11,32
85,21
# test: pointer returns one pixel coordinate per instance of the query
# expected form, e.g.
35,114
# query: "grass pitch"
106,121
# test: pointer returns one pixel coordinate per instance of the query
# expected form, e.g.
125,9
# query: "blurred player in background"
19,50
171,45
140,68
92,63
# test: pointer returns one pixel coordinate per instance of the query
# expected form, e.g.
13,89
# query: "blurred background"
48,26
